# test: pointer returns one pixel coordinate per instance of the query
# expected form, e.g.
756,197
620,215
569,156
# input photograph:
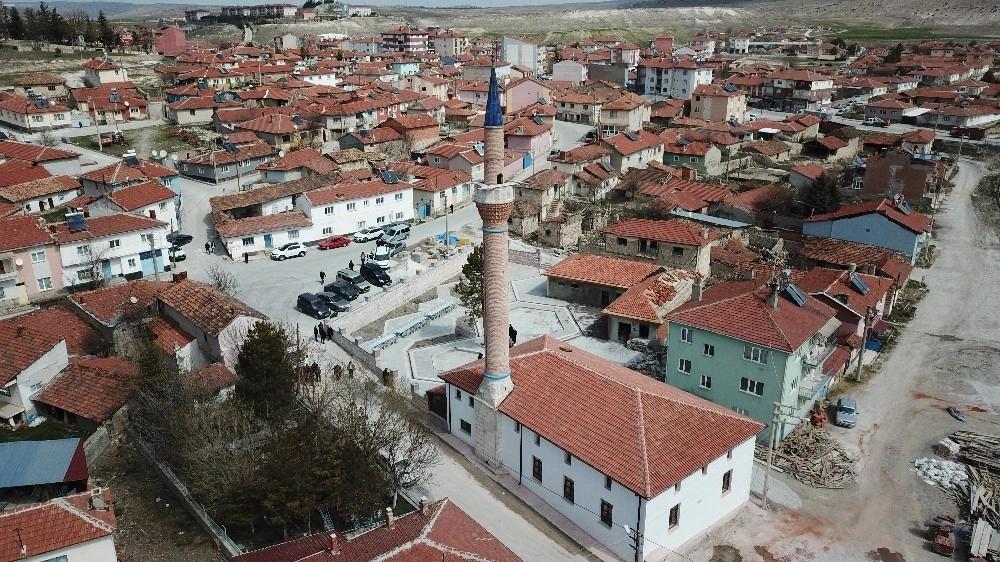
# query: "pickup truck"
875,122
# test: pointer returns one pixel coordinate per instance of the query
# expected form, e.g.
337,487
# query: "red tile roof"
22,232
916,222
20,347
545,179
141,194
642,433
107,226
671,231
231,228
207,308
107,304
624,145
734,253
275,124
13,172
350,191
646,300
92,388
831,142
214,378
836,284
602,270
34,152
761,198
810,170
60,321
843,253
24,106
120,172
167,334
445,532
54,525
20,192
305,158
740,310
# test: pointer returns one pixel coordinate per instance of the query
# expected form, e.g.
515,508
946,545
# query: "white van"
398,231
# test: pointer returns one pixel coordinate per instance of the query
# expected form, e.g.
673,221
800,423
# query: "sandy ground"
949,355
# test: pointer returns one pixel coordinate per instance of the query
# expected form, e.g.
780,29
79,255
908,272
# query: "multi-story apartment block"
671,77
409,40
792,90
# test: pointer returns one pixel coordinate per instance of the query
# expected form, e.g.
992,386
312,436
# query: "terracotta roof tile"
13,172
843,253
59,321
602,270
810,170
349,191
740,310
92,388
545,179
622,144
22,232
207,308
584,153
54,525
140,195
305,158
272,192
836,284
38,188
230,228
107,226
214,377
34,152
20,347
642,433
167,334
671,231
914,221
120,172
646,301
734,253
107,304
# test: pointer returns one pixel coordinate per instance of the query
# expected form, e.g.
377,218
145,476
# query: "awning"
829,328
879,327
8,410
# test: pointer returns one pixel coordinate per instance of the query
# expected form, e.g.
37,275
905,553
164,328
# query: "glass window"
83,250
684,366
569,489
706,382
687,335
38,257
248,241
755,354
606,513
751,386
292,234
328,210
536,468
115,243
675,516
352,206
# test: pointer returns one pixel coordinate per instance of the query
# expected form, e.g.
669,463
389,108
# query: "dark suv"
375,275
310,304
346,290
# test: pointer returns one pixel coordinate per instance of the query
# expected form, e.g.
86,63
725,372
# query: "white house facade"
349,207
122,245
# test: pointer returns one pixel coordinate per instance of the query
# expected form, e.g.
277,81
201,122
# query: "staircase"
553,209
324,514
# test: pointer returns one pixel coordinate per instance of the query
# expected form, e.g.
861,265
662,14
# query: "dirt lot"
152,526
948,355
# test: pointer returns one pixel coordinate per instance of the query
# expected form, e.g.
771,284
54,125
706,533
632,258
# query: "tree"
157,398
470,285
46,138
823,195
989,76
895,55
223,280
267,371
15,25
104,31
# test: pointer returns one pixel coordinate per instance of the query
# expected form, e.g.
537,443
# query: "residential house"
859,299
89,391
890,111
194,110
435,531
40,195
257,235
418,131
792,90
577,107
101,72
30,360
408,40
122,245
55,160
569,71
524,92
450,44
295,165
634,149
918,141
704,157
834,147
713,102
30,265
669,243
778,351
543,190
45,84
457,157
345,208
378,140
594,181
833,253
437,191
627,113
524,52
697,472
529,135
85,521
428,85
671,77
218,321
149,199
113,310
806,174
283,132
575,160
123,174
885,223
595,280
896,172
231,161
773,150
33,115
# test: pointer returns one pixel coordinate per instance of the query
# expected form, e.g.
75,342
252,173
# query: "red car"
334,242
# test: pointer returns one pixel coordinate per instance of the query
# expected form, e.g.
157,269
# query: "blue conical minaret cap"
494,117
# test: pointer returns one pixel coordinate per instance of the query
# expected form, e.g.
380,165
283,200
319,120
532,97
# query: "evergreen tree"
15,25
267,372
105,34
822,196
989,76
470,285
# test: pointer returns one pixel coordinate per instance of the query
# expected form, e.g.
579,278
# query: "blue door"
424,210
527,160
267,240
146,261
106,269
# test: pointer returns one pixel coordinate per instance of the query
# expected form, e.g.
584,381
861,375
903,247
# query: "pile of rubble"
653,360
814,458
947,474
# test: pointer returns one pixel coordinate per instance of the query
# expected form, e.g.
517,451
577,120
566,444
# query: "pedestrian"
206,247
316,333
213,246
351,265
246,257
322,333
329,332
451,208
322,277
362,258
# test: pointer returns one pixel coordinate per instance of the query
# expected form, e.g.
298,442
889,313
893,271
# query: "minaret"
495,201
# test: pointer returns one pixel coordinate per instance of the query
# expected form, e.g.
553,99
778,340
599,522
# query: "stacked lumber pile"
815,458
978,449
981,453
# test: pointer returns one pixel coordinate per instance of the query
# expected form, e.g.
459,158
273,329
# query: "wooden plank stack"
814,458
981,453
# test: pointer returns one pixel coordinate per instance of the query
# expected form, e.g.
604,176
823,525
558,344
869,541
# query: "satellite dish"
18,262
125,103
153,153
281,154
133,300
174,157
163,154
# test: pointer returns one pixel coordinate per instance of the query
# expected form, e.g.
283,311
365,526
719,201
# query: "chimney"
334,544
425,506
772,297
20,331
696,289
389,519
704,233
180,276
852,267
749,275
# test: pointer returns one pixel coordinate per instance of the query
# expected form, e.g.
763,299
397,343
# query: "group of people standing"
322,332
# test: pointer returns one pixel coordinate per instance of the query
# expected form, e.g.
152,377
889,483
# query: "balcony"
7,270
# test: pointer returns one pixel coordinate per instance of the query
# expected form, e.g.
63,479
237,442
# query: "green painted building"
746,345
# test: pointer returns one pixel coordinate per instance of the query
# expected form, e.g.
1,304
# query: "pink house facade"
525,92
30,264
526,135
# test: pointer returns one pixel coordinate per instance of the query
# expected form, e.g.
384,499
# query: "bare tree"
223,280
46,138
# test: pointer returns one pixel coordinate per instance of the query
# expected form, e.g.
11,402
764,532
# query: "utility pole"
869,316
779,413
447,233
152,250
97,126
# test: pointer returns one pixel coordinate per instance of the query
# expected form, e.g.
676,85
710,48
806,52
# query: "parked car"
310,304
380,257
334,242
396,247
875,122
354,278
396,231
368,233
178,239
847,413
375,274
345,290
336,302
290,250
176,254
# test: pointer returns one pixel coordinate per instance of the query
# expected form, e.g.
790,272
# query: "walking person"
316,332
212,246
246,257
329,332
351,265
206,247
362,258
322,333
322,277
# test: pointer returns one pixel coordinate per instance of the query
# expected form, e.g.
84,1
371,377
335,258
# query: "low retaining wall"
95,445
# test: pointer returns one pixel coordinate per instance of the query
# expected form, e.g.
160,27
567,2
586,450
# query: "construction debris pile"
947,474
981,453
653,360
814,458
